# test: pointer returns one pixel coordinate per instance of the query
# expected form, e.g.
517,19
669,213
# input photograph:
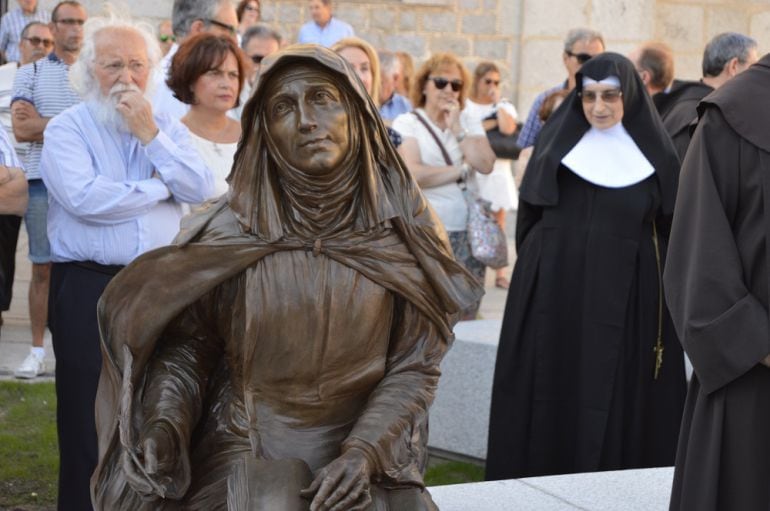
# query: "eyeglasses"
135,67
607,96
230,29
257,59
490,81
441,83
71,22
37,41
580,57
166,38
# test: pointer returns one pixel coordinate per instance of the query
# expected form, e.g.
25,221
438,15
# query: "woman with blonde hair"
440,147
363,58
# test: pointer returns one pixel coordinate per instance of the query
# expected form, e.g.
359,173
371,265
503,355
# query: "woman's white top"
218,157
609,158
498,186
447,200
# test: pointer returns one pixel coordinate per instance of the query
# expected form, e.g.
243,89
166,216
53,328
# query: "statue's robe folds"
272,351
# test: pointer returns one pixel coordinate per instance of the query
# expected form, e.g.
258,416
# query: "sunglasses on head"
580,57
167,38
607,96
490,81
37,41
257,59
441,83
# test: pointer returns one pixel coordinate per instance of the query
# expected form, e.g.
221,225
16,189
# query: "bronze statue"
284,352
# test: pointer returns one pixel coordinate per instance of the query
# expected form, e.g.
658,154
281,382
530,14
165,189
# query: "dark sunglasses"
167,38
580,57
490,81
231,29
37,41
71,22
608,96
257,59
441,83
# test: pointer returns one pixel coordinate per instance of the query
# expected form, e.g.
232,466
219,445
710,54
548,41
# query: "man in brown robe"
296,326
717,287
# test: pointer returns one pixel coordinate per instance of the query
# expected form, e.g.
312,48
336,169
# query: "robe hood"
568,124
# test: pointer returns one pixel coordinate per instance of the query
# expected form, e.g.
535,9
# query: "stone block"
495,495
384,19
358,17
553,17
490,5
479,24
726,19
510,17
687,66
290,14
414,45
458,45
624,19
681,26
407,21
760,30
439,22
542,65
469,5
492,49
459,417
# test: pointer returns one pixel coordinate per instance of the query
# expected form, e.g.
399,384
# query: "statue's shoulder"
210,221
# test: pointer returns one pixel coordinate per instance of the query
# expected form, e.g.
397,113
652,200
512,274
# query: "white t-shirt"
447,199
218,158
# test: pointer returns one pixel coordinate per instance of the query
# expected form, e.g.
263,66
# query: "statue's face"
307,121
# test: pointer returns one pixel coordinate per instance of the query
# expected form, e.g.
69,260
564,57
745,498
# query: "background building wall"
524,37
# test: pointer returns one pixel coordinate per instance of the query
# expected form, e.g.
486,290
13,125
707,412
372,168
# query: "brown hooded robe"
717,288
252,338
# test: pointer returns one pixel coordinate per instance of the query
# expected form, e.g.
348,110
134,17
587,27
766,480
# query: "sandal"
502,283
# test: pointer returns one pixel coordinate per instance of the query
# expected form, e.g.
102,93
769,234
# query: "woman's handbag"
504,146
488,243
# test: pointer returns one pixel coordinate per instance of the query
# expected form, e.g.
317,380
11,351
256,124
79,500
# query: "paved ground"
15,337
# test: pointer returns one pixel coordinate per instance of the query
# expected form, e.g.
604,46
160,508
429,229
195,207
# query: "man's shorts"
36,221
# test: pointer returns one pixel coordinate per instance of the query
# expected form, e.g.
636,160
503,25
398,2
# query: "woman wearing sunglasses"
440,146
486,106
590,374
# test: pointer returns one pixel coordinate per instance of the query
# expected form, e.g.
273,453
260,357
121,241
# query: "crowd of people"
115,130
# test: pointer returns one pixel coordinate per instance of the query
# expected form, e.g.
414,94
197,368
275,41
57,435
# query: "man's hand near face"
137,112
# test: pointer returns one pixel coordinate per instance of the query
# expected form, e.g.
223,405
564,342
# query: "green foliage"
28,445
453,472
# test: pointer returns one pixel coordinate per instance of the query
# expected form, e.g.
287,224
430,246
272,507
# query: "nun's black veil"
568,124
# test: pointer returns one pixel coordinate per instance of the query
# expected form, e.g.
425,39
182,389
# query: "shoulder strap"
420,118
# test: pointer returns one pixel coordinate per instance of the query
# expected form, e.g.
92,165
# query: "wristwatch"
464,170
461,136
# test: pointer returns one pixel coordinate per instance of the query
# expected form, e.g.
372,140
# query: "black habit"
677,109
717,289
574,386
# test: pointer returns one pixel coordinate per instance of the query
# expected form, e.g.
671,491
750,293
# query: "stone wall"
524,37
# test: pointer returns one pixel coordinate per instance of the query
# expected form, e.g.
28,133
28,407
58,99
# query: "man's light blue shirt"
110,197
531,129
335,30
395,106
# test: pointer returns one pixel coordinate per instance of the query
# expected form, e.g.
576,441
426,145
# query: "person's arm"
478,153
427,176
13,191
384,443
28,125
68,170
176,161
506,121
532,125
722,325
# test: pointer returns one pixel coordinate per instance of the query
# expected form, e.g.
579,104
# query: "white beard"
104,108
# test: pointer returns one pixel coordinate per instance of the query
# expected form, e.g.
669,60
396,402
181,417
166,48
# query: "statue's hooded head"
315,158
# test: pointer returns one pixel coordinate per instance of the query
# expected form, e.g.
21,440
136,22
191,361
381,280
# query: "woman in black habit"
589,374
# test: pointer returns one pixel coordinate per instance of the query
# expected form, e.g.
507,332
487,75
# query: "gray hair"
723,48
260,32
389,62
81,73
185,12
28,26
582,34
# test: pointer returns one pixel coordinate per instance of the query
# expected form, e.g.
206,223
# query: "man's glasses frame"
37,41
582,58
257,59
231,29
441,83
166,38
71,22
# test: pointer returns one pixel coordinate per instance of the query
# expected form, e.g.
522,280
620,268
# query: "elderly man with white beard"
116,175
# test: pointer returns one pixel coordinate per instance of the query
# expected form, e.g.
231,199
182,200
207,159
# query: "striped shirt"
46,85
7,154
11,26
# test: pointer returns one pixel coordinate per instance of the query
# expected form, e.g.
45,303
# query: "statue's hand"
342,485
150,471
